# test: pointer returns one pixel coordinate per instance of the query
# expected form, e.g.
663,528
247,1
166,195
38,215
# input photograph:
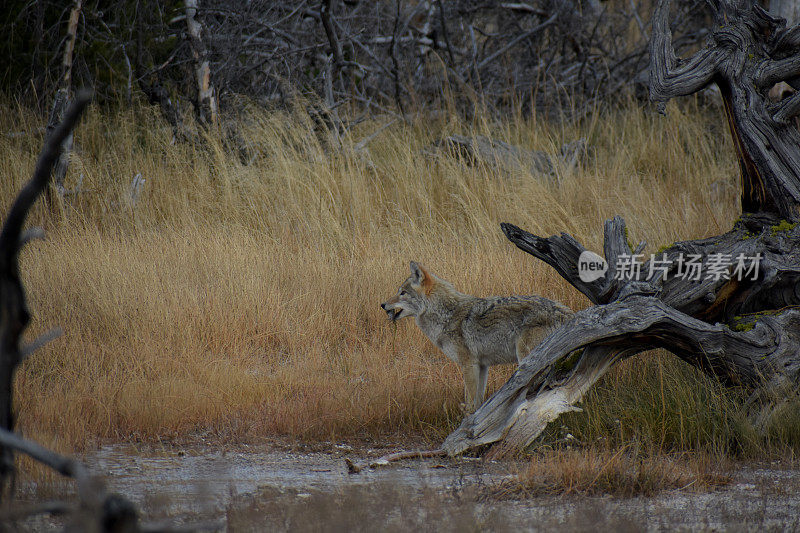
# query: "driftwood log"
736,316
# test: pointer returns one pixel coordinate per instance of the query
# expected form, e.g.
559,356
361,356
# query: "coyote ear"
421,277
417,273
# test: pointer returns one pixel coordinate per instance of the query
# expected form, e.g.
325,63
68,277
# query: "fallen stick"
354,468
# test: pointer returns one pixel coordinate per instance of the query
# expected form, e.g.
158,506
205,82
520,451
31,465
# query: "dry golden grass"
242,301
619,472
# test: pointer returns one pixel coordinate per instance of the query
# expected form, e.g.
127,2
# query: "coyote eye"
402,293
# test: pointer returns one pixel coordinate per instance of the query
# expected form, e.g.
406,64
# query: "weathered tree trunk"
426,9
744,65
61,102
206,105
736,315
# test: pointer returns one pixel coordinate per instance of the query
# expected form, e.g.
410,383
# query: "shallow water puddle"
253,488
206,481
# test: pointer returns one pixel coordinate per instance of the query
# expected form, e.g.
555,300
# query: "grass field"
240,301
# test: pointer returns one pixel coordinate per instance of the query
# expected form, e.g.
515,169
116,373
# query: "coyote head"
412,296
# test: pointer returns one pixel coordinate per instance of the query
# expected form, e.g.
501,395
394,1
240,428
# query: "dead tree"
206,102
14,316
96,509
744,330
62,99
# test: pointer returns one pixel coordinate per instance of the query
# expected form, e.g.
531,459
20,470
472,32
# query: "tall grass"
238,301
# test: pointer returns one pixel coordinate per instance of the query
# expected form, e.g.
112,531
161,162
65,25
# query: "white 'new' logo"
591,266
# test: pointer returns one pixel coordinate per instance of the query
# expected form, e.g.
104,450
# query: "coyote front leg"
483,373
472,380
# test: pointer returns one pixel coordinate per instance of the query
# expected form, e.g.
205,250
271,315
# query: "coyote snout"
409,300
474,332
392,313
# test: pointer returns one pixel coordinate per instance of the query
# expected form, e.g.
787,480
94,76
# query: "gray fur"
474,332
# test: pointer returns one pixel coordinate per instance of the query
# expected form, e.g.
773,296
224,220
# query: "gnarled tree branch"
778,70
670,77
788,109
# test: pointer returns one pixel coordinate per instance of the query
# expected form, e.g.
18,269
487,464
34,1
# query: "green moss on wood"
783,225
664,248
628,241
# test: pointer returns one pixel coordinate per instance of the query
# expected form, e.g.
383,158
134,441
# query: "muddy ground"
268,488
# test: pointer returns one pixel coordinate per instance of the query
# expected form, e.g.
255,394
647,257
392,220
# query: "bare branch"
517,39
774,71
787,109
63,465
445,33
12,229
330,32
354,468
562,252
395,61
40,341
638,20
365,141
525,8
30,234
14,315
559,251
670,77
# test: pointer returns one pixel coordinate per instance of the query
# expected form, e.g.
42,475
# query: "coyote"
474,332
